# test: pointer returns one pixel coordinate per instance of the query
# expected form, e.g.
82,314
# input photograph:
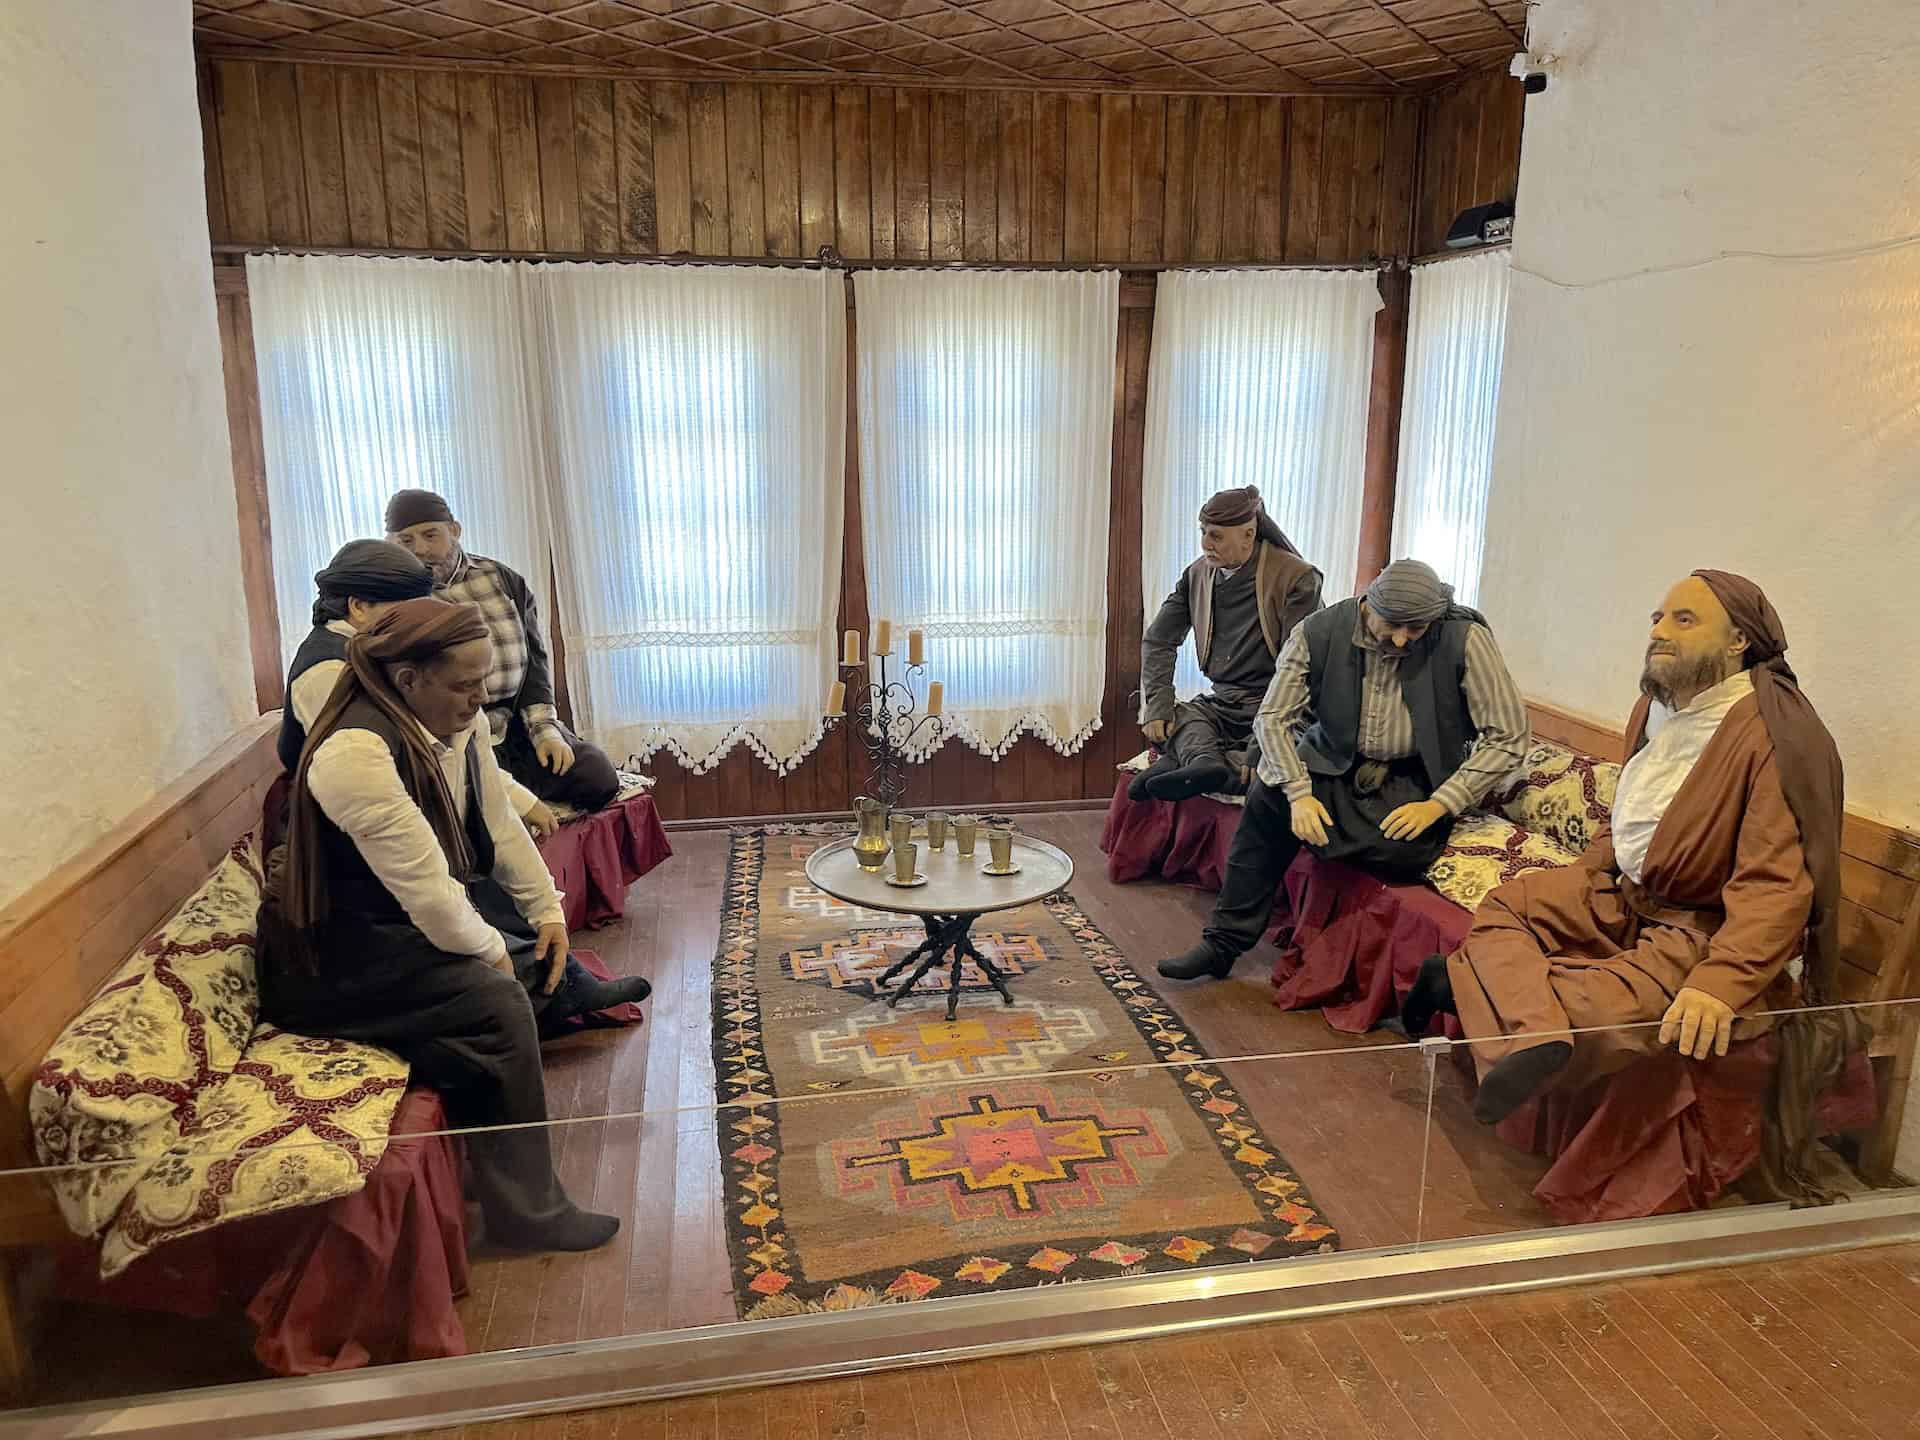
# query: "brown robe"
1723,908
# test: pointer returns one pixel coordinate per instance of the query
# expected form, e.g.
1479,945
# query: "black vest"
1432,682
320,645
353,890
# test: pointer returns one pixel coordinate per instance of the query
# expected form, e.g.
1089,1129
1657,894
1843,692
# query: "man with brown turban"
534,747
1720,865
413,911
1389,714
1240,601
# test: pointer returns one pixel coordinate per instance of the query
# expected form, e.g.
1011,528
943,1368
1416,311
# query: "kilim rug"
973,1163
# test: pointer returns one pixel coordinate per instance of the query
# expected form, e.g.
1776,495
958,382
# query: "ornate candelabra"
889,718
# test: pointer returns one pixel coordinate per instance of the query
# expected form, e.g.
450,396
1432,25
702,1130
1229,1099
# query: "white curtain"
1456,338
986,439
699,430
380,375
1258,378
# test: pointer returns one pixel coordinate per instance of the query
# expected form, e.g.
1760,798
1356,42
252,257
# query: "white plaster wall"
126,646
1662,408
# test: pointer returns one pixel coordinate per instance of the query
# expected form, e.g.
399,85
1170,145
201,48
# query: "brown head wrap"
416,507
413,631
1237,507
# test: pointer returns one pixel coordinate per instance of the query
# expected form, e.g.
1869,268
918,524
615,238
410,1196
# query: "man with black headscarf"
1240,601
1720,864
413,912
1389,714
533,746
364,580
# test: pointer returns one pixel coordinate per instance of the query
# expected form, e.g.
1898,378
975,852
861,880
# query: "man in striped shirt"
1389,714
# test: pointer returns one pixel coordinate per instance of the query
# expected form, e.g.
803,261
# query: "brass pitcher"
871,845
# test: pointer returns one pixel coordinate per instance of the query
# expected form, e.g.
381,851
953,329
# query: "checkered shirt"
476,581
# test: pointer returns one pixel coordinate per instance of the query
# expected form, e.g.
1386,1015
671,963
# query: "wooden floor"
1818,1349
1349,1114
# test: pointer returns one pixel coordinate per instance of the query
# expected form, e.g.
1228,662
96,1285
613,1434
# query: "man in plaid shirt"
532,745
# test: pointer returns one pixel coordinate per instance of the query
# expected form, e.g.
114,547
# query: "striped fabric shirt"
1386,726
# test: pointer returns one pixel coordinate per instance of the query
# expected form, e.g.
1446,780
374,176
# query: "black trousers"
589,785
469,1031
1209,729
1264,846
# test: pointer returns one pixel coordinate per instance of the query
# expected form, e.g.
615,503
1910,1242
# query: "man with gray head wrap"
1389,714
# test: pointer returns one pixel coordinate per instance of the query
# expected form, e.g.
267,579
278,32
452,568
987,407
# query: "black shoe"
1200,778
1518,1078
1431,995
1201,960
574,1230
582,994
1140,790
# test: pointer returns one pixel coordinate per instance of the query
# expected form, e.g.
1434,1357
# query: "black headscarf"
371,570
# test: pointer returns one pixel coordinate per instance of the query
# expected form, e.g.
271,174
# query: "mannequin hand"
540,820
1410,822
1157,731
552,948
1702,1024
554,753
1310,821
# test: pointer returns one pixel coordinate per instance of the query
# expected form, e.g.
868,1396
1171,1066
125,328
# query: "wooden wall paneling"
214,181
816,169
1081,207
947,179
881,122
746,190
852,173
672,169
248,452
321,160
1466,173
559,171
1125,622
1336,171
1244,162
1049,178
1369,167
282,166
633,166
1176,226
360,154
1306,124
400,159
237,110
1397,220
520,162
485,207
1382,462
1270,180
1149,178
1014,196
707,146
780,168
1209,177
1116,177
980,219
596,164
442,158
1469,152
912,147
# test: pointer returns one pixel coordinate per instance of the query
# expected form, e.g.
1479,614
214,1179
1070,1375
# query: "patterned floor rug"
972,1163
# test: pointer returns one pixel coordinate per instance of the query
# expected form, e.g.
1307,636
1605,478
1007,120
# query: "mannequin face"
446,692
434,543
1392,639
1228,546
362,613
1692,645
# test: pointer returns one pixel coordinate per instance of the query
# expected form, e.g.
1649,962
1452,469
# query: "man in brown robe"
1240,601
1720,860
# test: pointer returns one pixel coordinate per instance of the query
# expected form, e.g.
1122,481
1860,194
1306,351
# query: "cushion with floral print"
1558,794
1488,850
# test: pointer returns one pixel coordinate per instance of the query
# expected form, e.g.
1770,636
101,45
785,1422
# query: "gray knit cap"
1408,592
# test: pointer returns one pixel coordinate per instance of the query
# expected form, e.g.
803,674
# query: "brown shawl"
412,631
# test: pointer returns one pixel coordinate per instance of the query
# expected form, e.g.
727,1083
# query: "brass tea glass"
903,858
965,830
936,830
902,830
1000,846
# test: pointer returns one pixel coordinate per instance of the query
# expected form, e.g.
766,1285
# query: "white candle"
916,647
850,648
936,695
837,698
883,637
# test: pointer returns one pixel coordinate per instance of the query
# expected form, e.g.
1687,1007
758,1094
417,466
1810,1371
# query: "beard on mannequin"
1669,674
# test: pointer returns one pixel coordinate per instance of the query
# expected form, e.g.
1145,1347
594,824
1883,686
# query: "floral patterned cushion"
164,1096
1558,794
1488,850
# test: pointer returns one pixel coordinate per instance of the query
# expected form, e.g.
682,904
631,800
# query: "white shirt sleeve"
516,862
354,780
518,796
308,695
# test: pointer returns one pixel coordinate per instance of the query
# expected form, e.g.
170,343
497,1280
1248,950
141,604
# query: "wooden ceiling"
1259,46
